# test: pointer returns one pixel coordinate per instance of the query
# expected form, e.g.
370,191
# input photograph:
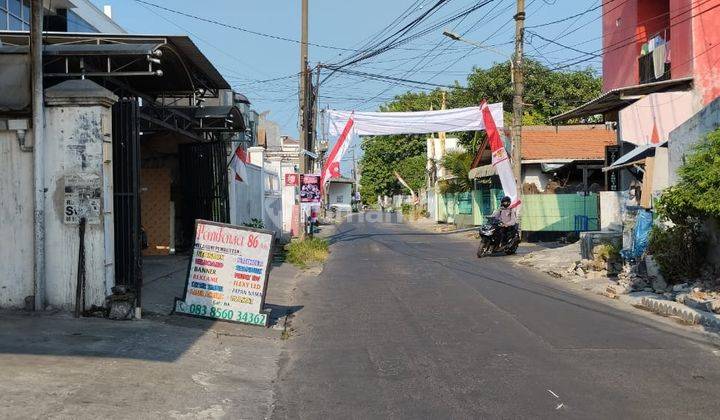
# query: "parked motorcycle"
491,240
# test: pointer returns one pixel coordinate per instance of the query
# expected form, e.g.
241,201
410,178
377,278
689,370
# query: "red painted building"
689,30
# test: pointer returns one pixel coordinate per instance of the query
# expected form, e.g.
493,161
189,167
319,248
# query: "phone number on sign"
227,314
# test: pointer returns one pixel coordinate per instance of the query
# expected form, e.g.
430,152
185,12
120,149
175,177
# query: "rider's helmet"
505,202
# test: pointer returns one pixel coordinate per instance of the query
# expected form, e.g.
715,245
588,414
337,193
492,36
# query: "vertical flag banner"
238,163
500,158
332,165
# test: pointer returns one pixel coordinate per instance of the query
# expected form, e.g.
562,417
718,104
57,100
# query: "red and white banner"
239,160
500,158
331,169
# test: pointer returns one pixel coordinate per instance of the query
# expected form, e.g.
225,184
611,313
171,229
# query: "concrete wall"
611,211
685,137
78,162
246,197
340,193
78,180
533,174
16,221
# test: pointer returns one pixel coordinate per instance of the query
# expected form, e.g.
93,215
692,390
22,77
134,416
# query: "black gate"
126,183
203,168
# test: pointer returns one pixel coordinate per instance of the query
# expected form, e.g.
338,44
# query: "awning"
618,98
634,156
483,171
184,68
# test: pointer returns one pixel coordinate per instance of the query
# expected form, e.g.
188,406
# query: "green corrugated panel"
451,206
556,212
441,208
464,203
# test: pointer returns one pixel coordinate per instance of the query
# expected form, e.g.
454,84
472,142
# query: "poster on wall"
227,274
309,188
291,180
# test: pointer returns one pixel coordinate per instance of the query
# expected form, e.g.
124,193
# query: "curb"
671,308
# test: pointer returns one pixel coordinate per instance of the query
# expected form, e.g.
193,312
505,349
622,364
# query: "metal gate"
203,168
126,184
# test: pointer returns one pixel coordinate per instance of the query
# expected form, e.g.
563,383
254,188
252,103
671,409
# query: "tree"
696,195
458,164
412,170
382,155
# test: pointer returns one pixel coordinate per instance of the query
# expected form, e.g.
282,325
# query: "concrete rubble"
695,302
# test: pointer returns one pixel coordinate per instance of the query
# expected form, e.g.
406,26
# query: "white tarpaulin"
421,122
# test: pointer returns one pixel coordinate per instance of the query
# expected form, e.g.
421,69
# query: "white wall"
340,193
77,123
611,211
74,138
246,201
532,174
16,221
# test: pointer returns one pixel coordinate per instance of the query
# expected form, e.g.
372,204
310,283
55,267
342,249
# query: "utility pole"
38,114
518,87
303,110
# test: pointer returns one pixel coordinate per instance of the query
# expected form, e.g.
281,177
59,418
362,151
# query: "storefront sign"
612,182
309,188
291,180
228,274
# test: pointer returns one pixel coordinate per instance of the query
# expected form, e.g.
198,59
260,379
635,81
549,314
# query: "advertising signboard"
309,188
228,274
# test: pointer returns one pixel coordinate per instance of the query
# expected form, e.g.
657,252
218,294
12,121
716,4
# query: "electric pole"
304,129
518,87
38,114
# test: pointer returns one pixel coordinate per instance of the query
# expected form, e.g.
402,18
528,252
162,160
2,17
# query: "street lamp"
456,37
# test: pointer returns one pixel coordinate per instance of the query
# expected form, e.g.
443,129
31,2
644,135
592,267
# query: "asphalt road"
409,325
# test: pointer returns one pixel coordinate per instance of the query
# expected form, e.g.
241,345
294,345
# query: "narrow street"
405,324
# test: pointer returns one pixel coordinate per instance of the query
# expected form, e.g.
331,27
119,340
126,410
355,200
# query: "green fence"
484,202
539,212
560,213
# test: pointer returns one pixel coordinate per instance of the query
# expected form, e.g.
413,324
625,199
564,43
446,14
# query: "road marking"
553,394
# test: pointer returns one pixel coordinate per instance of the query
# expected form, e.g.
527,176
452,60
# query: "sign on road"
228,274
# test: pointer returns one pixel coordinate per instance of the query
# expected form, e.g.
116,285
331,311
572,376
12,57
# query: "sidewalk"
55,366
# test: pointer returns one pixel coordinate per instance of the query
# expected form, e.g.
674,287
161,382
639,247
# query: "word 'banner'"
421,122
228,274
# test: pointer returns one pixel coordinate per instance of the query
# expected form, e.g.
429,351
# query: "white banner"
421,122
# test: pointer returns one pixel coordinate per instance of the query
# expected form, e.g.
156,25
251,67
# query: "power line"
238,28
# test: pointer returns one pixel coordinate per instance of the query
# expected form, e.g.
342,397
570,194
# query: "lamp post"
456,37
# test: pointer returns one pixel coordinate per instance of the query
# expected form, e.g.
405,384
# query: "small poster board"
291,180
309,188
228,274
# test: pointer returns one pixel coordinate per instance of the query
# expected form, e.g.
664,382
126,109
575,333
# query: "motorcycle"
492,242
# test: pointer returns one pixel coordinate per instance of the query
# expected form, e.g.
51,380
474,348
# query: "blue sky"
244,58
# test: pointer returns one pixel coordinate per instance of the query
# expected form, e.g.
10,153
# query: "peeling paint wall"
74,137
16,221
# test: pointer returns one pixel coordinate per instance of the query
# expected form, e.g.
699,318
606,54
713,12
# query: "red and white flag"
500,158
331,169
239,160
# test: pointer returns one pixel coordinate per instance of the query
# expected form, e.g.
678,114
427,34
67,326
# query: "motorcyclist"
507,217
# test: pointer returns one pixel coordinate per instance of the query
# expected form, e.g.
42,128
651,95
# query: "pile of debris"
702,294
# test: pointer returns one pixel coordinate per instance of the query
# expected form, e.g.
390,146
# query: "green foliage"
678,250
307,252
382,155
548,92
255,223
607,253
412,170
458,164
406,209
696,195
